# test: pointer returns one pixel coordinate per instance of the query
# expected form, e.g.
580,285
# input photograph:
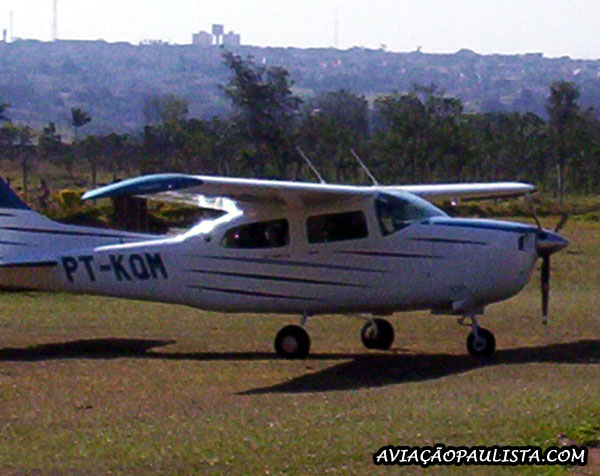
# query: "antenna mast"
364,167
311,165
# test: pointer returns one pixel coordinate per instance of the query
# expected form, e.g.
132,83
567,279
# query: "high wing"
468,191
249,193
254,193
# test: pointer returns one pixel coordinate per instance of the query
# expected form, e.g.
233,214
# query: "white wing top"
470,191
257,193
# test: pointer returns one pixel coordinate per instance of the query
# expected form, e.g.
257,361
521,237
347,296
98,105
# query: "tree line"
404,137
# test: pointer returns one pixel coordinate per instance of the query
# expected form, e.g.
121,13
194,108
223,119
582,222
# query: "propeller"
547,243
545,287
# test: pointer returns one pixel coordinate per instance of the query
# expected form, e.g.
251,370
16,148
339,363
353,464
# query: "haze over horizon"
552,27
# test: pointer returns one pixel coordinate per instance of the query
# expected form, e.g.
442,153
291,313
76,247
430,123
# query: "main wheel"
377,334
482,345
292,342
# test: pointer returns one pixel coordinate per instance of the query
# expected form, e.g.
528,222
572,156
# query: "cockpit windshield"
398,210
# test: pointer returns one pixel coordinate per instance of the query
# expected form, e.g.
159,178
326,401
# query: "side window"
265,234
336,227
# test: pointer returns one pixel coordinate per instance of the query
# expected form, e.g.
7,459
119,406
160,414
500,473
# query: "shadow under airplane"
355,372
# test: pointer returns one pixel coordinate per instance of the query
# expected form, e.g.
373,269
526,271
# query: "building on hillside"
217,31
202,39
218,37
232,39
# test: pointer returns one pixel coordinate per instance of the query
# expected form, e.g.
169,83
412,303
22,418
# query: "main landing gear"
293,342
377,334
480,341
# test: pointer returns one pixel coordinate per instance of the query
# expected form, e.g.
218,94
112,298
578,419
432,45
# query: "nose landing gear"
480,341
482,345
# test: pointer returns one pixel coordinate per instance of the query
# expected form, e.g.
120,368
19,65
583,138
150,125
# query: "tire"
377,334
292,342
483,346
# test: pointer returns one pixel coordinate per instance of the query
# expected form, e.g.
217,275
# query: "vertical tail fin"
9,199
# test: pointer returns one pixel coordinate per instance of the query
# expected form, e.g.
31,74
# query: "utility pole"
336,26
54,19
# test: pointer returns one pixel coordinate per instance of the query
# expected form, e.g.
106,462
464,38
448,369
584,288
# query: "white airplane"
293,248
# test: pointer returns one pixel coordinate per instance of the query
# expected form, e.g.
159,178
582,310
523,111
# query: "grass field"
92,386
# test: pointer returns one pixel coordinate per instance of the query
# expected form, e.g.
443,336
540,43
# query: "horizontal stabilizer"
9,199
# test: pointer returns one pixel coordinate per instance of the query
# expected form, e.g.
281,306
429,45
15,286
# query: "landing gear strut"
480,341
377,334
292,342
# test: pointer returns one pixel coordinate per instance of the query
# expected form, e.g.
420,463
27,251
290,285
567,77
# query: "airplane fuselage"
433,263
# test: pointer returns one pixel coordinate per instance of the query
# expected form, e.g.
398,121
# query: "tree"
17,139
164,108
349,110
266,110
52,148
49,141
3,116
423,136
79,118
173,108
563,111
151,110
24,136
508,145
120,152
92,147
332,124
8,134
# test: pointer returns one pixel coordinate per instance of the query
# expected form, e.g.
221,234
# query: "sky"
553,27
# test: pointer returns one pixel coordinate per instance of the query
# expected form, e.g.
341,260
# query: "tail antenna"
364,167
310,164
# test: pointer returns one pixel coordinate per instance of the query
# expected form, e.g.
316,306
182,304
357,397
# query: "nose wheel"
377,334
481,343
292,342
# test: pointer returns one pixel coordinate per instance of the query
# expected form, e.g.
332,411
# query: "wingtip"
144,185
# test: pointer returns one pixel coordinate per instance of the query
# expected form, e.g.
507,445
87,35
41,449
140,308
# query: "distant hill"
112,81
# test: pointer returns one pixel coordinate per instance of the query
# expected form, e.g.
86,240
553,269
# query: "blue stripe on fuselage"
483,224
